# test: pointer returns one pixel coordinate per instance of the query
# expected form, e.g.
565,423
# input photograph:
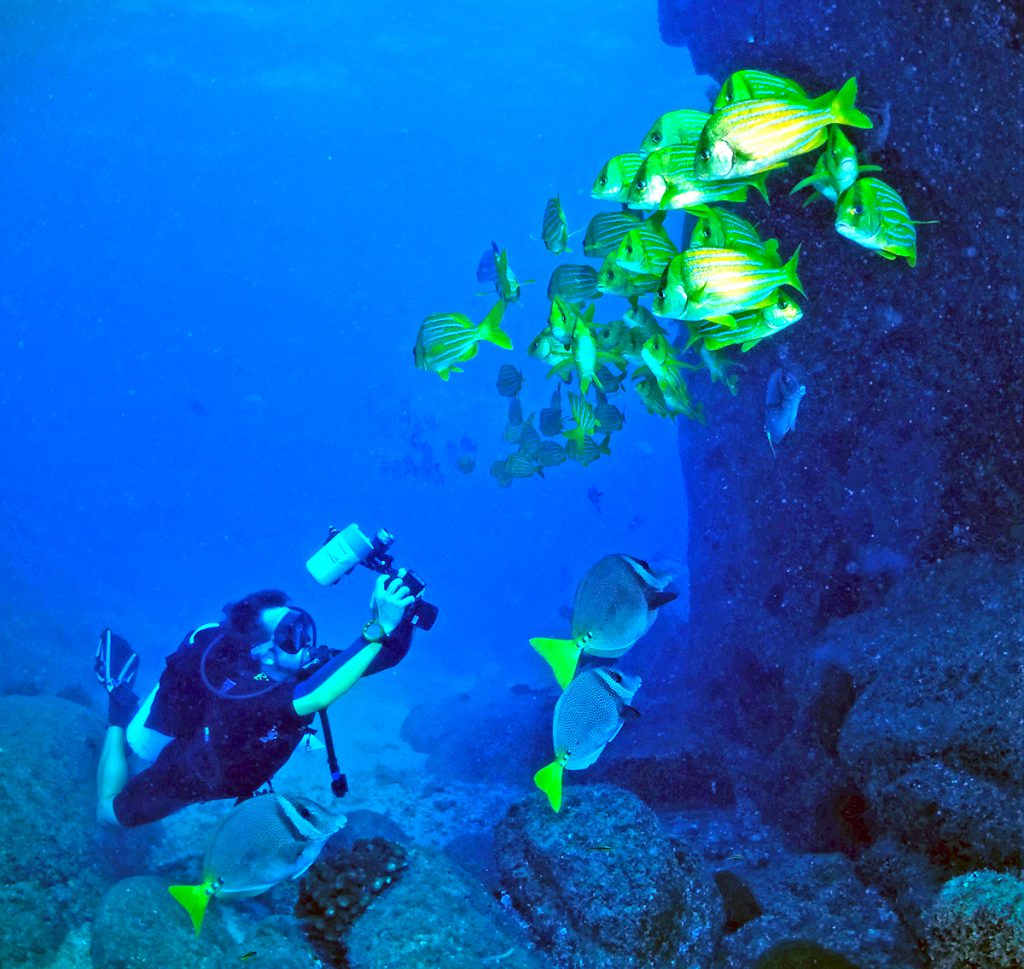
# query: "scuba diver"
234,701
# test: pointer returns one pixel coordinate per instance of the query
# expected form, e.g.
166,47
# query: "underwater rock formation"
516,722
602,885
340,886
818,901
910,435
49,817
978,920
139,925
934,738
377,905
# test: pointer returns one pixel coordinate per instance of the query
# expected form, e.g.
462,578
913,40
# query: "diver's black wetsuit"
223,745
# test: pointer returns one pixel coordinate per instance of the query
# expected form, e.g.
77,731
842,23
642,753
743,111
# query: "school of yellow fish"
727,287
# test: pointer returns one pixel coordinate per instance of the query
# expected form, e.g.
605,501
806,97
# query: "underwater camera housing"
344,550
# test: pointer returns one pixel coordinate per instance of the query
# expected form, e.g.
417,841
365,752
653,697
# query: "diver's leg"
112,774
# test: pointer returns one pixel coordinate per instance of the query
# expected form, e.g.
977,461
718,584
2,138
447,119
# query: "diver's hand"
389,601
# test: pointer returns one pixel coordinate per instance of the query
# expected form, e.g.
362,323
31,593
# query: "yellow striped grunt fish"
681,127
835,169
756,135
749,328
746,85
613,181
665,180
647,248
447,339
872,214
606,230
555,229
723,229
622,282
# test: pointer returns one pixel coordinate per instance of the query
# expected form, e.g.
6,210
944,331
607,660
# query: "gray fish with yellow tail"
613,181
587,717
448,339
753,136
781,403
872,214
258,844
616,602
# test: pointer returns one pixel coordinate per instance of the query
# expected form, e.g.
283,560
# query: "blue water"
222,225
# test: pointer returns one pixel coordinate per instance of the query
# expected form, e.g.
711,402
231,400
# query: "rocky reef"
909,439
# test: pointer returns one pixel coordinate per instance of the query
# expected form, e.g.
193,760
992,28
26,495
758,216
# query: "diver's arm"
334,679
339,675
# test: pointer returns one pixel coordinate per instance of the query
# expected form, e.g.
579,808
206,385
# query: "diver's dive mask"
295,631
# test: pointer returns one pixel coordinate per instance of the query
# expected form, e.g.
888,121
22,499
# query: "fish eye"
641,184
603,180
656,137
783,302
661,294
858,210
704,154
629,250
615,675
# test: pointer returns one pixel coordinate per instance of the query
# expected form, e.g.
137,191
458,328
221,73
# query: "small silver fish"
781,403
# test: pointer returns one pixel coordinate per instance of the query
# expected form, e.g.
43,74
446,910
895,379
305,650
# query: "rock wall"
909,439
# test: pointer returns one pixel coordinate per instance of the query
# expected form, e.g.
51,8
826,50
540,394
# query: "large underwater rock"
602,885
910,437
935,738
978,920
51,865
516,725
140,926
435,915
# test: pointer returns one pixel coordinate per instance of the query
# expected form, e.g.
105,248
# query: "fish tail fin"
490,329
789,270
194,899
561,655
549,780
843,111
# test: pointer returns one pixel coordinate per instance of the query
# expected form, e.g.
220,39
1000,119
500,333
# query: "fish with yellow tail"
682,127
748,84
722,229
588,715
872,214
448,339
710,282
835,170
749,328
757,135
555,228
616,602
259,843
